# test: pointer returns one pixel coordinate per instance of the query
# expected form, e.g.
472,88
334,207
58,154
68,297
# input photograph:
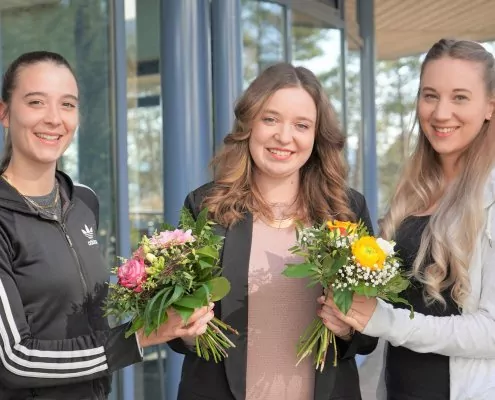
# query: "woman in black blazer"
281,163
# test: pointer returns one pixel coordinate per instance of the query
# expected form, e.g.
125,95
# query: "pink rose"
139,253
170,238
132,274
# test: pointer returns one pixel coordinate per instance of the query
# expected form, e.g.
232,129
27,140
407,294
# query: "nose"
284,135
443,110
52,115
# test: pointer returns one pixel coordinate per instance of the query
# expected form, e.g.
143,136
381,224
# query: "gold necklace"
279,223
32,202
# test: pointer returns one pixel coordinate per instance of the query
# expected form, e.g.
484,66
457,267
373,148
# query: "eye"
430,96
460,97
69,105
35,103
302,127
269,120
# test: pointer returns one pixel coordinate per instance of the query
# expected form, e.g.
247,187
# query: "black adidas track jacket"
54,341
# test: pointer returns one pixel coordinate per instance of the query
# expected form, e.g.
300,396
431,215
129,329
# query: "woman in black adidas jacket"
54,341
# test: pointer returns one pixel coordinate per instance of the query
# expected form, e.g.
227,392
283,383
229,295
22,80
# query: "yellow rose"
368,253
344,227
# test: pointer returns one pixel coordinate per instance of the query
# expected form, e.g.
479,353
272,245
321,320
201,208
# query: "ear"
4,115
490,109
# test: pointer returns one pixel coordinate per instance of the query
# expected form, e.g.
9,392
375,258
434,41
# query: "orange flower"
368,253
344,227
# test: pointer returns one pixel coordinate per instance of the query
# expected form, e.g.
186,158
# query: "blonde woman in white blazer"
443,220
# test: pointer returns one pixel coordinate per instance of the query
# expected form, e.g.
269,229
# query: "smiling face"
283,134
453,105
42,115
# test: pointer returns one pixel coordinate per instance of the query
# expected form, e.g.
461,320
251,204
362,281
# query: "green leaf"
168,301
343,300
195,300
201,221
332,265
166,227
150,312
396,285
208,251
136,325
368,291
204,264
303,270
219,288
394,298
186,219
184,312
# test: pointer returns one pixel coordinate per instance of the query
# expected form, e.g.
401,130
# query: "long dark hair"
9,84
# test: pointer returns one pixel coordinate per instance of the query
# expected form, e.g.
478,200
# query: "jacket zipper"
73,250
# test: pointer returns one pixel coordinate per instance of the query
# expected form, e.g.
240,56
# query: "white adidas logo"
88,232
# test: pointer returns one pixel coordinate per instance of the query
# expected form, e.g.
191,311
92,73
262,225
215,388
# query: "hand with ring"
358,316
332,322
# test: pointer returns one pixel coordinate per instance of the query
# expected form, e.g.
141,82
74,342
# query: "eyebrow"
268,111
455,90
70,96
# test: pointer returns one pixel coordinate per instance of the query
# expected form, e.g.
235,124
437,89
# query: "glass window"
263,36
79,30
144,147
396,89
354,129
316,46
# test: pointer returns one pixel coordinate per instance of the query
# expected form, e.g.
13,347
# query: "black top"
410,375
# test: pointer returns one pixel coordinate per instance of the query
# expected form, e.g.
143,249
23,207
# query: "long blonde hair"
323,192
448,241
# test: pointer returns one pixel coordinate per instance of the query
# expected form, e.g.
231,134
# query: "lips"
48,137
280,153
444,131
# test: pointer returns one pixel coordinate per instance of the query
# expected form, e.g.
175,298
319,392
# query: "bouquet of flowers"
178,269
344,259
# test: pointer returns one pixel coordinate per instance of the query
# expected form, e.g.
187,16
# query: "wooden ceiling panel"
407,27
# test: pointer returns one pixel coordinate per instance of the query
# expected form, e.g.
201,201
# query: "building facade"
158,80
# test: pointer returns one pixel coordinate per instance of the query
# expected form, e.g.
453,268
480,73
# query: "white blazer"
468,339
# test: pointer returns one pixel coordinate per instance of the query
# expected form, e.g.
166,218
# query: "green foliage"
343,299
181,272
303,270
342,258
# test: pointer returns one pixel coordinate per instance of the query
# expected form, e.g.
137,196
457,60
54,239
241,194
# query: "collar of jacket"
11,199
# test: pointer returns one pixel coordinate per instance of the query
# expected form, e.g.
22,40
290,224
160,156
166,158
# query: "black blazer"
227,380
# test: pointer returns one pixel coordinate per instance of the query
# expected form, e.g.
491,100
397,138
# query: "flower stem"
214,343
316,339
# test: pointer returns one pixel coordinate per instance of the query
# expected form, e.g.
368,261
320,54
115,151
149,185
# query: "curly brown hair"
323,189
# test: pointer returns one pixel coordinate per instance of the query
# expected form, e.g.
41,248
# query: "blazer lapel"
234,307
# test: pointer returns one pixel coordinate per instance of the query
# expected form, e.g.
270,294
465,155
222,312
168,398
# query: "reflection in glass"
354,129
263,37
79,30
144,148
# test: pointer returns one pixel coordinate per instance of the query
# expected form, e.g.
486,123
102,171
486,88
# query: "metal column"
343,66
366,20
227,64
123,246
1,81
287,34
185,68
